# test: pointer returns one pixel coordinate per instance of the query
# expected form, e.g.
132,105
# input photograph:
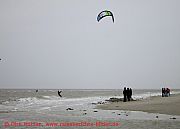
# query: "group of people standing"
165,92
127,94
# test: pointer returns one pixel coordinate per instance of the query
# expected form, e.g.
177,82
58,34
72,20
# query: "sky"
58,44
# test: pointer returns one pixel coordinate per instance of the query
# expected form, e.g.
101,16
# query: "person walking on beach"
125,94
162,92
168,91
130,92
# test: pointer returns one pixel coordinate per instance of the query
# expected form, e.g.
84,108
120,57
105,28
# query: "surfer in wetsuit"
59,93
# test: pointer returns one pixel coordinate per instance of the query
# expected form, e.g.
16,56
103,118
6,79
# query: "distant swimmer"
36,90
59,93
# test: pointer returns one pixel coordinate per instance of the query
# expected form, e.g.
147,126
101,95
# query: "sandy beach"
163,105
44,107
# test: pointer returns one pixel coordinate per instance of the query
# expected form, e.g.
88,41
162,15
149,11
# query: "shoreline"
155,104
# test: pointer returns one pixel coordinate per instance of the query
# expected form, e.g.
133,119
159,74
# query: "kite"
104,14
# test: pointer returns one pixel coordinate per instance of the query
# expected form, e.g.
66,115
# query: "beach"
22,108
155,104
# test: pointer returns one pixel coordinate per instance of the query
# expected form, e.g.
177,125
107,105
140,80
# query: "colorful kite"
104,14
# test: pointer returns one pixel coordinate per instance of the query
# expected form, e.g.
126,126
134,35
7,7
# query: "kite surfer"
59,93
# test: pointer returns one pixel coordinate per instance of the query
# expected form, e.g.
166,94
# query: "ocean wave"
29,99
151,94
145,95
5,102
47,97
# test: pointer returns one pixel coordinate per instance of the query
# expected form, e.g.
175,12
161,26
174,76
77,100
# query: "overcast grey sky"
59,44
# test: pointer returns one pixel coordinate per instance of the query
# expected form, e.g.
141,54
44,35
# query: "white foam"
29,99
6,102
14,110
45,108
145,95
47,97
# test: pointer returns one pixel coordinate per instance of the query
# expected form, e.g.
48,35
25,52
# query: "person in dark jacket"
130,93
168,92
125,94
162,92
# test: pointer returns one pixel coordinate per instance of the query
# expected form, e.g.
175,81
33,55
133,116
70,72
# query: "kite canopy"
104,14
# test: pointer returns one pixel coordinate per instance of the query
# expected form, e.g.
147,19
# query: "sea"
22,108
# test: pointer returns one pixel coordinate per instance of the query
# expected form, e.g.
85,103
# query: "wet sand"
163,105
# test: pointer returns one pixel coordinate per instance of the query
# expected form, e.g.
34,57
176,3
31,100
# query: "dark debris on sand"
173,118
98,103
69,109
117,100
